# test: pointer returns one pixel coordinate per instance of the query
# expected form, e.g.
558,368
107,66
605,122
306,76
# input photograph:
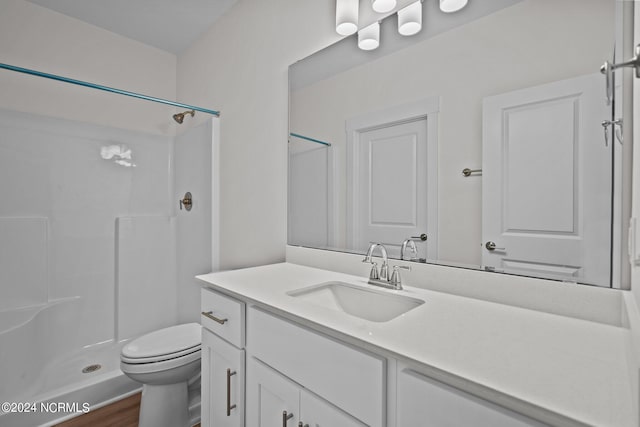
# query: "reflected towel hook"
617,130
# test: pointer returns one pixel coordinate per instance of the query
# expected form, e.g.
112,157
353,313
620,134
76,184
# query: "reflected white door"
391,192
546,199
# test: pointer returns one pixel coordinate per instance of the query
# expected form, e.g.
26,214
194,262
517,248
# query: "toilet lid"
164,342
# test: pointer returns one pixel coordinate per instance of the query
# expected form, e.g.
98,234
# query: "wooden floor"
123,413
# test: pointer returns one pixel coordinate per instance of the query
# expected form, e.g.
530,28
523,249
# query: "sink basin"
368,304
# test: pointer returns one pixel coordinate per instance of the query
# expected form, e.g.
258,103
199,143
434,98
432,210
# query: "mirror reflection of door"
392,186
392,190
547,182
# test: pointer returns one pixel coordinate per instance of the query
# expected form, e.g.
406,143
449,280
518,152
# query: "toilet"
165,361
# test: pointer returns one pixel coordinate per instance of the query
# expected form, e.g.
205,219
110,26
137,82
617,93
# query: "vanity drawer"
223,316
350,378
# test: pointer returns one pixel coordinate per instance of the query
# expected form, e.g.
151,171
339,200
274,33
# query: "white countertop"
574,368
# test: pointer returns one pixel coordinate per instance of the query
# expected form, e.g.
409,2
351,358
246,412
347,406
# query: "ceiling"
169,25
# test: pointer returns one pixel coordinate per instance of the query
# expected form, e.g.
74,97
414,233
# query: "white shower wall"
65,198
84,193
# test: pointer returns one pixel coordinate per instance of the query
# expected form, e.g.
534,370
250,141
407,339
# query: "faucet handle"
373,274
384,271
396,279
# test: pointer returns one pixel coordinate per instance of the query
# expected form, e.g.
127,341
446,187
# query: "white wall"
192,167
240,67
34,37
504,51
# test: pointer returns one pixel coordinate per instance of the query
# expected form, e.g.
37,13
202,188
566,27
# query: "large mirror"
508,91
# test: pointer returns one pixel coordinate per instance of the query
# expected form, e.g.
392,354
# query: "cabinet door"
422,401
316,412
222,383
269,396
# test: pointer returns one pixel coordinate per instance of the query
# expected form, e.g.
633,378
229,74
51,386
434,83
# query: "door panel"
318,413
268,395
218,356
547,182
392,186
426,402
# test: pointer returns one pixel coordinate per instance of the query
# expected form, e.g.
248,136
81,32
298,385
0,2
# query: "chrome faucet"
384,270
412,246
382,278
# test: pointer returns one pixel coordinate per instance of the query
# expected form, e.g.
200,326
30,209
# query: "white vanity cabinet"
422,401
223,363
298,377
350,379
275,400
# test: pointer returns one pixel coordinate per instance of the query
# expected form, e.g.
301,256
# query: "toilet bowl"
164,361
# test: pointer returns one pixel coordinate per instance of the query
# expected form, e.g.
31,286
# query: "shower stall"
95,248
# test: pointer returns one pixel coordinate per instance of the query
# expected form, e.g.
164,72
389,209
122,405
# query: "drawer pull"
209,315
229,405
285,417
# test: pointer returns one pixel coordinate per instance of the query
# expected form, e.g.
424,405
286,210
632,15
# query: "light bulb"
452,5
369,37
383,6
346,17
410,19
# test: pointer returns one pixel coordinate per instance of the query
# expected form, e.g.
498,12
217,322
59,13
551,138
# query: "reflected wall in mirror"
509,88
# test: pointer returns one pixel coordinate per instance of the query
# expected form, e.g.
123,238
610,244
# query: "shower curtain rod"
328,144
106,88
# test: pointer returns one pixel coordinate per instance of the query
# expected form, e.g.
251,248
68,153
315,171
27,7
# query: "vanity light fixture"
410,19
347,17
452,5
369,37
383,6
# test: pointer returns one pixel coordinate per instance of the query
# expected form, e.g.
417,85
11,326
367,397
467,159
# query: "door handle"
186,201
492,246
285,417
422,237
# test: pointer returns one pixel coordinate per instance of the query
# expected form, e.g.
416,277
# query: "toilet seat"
161,365
163,345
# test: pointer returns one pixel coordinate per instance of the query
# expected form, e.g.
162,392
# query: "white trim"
428,109
332,206
623,153
215,193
